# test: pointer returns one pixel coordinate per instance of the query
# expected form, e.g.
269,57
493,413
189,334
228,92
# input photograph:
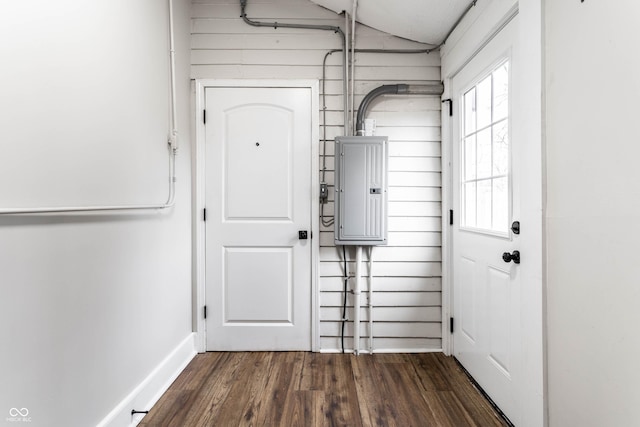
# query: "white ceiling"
426,21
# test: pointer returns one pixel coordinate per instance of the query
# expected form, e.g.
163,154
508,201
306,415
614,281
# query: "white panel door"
258,199
486,287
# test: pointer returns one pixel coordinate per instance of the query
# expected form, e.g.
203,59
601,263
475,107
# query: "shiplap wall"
406,273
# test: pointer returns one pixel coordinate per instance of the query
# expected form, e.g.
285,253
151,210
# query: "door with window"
485,239
258,228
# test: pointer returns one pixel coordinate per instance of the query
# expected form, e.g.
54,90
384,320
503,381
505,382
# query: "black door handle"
508,257
515,227
303,235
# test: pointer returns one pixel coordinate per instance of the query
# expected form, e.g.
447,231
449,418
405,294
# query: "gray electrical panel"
361,190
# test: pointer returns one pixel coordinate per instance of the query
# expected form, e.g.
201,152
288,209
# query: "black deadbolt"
302,235
515,227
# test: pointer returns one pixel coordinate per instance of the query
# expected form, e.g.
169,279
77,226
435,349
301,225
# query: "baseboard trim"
149,391
385,350
408,350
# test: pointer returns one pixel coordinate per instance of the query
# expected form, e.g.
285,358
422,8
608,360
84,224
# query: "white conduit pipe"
173,138
347,122
173,147
353,65
370,299
337,30
356,302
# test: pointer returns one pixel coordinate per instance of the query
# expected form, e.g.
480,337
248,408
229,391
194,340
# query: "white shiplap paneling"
406,282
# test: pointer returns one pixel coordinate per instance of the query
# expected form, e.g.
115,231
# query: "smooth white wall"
90,304
592,150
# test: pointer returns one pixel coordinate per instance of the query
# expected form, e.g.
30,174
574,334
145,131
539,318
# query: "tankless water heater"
361,190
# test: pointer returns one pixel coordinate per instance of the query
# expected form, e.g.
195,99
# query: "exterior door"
258,200
486,286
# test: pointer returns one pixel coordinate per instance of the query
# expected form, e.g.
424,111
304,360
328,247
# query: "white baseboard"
408,350
149,391
385,350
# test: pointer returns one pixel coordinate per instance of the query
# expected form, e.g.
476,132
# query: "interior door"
258,200
486,286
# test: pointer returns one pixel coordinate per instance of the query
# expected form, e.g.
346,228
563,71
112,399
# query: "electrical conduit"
435,88
370,299
356,302
337,30
353,63
173,147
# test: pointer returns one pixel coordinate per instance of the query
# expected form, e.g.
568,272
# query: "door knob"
515,227
508,257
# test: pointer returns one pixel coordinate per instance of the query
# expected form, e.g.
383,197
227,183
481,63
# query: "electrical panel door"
361,190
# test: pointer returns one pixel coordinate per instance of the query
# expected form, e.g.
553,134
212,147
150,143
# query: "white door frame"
198,162
478,28
447,178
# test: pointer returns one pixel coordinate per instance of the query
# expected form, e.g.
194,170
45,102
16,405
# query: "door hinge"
204,116
205,311
204,214
451,324
450,101
450,216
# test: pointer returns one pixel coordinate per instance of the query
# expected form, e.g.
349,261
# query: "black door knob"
515,227
508,257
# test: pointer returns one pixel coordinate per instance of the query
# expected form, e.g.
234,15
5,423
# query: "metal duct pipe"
436,88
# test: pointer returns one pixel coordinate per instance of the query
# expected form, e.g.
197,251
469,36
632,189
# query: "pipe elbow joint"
397,89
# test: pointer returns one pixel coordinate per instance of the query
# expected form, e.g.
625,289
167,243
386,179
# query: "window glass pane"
469,199
501,148
470,158
483,168
470,112
500,204
484,204
483,103
501,92
485,196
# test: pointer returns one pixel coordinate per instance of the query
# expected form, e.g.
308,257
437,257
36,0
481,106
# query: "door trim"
198,194
479,27
447,177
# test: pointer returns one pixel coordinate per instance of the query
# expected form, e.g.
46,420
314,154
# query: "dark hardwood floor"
312,389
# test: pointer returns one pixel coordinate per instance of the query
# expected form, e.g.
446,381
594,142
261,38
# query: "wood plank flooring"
314,390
